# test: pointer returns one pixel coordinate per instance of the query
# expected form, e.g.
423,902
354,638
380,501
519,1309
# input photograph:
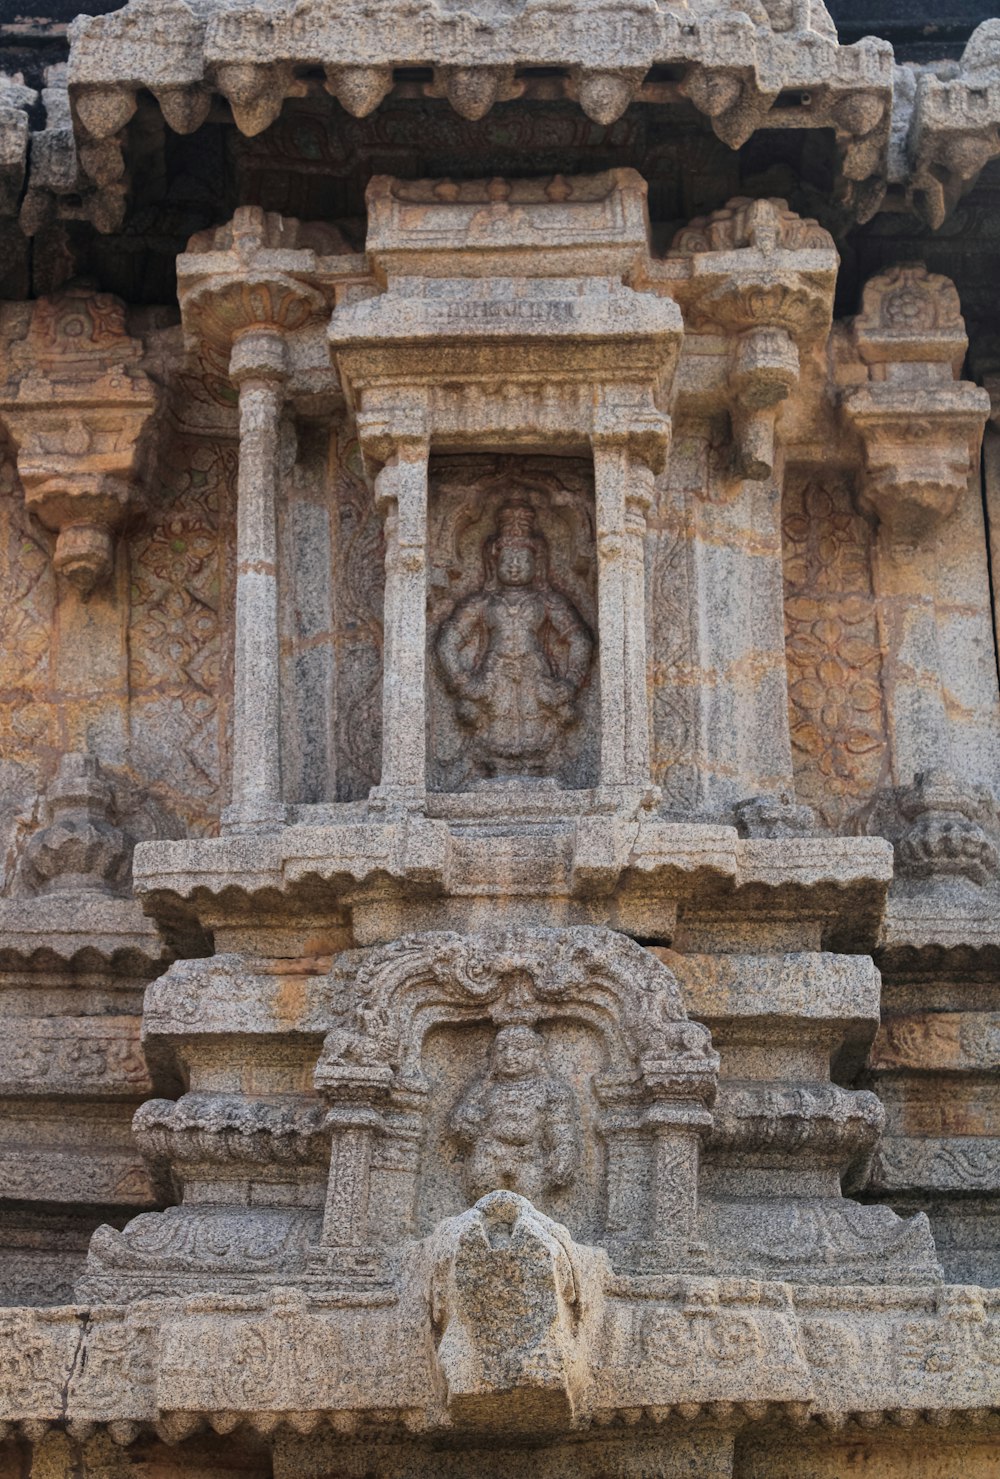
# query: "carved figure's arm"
460,646
562,1135
570,642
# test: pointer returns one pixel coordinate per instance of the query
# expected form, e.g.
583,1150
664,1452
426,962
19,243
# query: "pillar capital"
259,353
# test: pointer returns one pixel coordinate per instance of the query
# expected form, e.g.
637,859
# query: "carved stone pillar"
401,497
920,429
761,280
243,290
623,485
259,366
354,1092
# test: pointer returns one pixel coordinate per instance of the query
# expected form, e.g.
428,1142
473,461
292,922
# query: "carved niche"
554,1064
512,621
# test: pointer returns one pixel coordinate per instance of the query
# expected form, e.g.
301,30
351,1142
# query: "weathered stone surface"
499,748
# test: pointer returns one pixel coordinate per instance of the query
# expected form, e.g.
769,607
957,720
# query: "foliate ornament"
80,847
920,426
836,705
948,829
763,277
79,409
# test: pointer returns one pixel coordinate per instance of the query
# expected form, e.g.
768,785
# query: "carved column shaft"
623,492
675,1179
920,427
345,1219
401,494
259,367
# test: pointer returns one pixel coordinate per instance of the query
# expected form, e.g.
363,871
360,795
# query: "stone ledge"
87,930
722,1346
638,866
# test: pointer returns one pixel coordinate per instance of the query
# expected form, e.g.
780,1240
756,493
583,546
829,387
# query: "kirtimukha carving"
499,742
515,654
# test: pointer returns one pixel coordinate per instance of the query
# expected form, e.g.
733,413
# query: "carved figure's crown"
516,521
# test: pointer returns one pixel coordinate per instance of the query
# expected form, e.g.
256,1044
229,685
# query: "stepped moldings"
72,1056
953,127
784,1139
921,426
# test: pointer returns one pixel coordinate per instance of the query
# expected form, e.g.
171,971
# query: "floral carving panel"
177,642
836,703
29,719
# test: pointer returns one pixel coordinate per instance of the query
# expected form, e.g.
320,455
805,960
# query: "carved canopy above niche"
507,323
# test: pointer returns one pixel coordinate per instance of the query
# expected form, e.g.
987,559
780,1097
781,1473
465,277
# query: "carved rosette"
919,424
763,277
78,408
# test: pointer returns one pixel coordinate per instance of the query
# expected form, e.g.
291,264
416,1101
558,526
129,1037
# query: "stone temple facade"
499,742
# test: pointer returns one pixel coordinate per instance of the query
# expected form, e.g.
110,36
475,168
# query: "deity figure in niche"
519,1123
515,654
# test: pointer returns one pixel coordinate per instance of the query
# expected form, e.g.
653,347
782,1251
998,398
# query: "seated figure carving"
515,654
519,1122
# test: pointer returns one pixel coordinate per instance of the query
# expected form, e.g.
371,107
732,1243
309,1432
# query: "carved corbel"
764,278
919,424
78,408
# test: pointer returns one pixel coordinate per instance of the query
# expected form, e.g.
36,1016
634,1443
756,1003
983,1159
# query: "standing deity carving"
515,654
519,1122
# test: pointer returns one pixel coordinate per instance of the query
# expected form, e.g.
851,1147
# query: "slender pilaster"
401,495
624,492
259,368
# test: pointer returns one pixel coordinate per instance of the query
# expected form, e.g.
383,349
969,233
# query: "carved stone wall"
499,745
